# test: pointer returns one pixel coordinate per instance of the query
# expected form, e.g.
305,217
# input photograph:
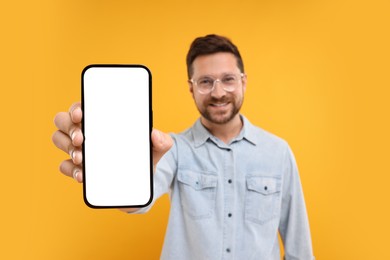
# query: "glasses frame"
195,82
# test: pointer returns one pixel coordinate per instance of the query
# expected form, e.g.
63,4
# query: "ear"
244,81
191,87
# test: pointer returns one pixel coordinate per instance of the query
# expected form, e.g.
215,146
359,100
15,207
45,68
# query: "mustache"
221,100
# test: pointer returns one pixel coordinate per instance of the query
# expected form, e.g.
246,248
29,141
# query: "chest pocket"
197,193
262,202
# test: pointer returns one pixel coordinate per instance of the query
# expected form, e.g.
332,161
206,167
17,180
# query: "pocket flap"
263,185
197,180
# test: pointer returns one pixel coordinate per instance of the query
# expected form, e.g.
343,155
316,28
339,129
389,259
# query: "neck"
225,132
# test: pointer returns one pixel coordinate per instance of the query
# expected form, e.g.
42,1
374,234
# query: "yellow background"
318,76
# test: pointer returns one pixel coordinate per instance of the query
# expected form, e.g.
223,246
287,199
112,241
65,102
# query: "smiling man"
232,185
217,86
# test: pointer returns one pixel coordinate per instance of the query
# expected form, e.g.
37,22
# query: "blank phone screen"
117,123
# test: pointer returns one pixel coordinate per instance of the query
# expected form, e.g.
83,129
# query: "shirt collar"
201,134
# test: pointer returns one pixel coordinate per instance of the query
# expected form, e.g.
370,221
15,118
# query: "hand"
69,138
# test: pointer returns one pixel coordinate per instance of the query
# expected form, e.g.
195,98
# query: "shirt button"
229,181
228,250
230,215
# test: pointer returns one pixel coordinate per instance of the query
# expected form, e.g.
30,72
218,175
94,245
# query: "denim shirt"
229,201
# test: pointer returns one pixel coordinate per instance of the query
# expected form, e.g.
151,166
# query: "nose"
218,90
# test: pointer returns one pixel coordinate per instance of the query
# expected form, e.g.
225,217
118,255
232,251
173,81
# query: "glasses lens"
230,82
205,84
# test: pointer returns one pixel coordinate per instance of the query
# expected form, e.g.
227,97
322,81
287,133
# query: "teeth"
220,105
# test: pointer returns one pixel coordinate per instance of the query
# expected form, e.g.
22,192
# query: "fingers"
69,138
64,123
63,142
162,142
69,169
76,113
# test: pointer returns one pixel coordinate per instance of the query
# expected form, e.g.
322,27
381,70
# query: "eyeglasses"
229,82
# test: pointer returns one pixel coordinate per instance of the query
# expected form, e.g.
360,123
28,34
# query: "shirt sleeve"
294,224
163,177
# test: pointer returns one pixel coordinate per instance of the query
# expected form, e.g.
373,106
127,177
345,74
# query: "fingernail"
73,135
71,153
75,174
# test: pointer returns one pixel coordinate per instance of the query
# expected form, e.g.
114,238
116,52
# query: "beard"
223,116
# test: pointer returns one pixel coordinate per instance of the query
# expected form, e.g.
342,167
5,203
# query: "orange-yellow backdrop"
318,76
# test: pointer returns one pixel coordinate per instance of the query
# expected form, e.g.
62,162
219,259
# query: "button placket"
229,230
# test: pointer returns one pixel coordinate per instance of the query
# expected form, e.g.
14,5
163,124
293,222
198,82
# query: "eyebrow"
222,75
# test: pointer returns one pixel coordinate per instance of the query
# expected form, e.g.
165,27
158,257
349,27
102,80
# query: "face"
218,106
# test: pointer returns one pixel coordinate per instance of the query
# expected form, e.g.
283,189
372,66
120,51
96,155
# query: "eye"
205,81
229,79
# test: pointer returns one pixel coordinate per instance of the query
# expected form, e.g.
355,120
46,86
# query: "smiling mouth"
219,104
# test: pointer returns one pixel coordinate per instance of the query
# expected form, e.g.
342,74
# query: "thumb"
162,142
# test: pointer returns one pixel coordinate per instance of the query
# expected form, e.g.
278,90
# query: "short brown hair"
211,44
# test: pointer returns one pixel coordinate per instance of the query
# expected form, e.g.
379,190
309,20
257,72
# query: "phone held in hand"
117,124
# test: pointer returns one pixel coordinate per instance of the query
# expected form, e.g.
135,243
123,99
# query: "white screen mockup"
116,104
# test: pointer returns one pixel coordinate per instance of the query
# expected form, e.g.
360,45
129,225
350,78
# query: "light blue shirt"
228,201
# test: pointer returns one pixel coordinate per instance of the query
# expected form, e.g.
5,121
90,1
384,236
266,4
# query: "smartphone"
117,124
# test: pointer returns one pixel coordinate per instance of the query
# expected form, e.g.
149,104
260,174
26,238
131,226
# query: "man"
232,185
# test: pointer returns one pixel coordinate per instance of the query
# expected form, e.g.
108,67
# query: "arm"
294,225
165,172
69,138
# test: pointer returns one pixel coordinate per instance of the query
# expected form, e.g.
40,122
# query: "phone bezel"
85,178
